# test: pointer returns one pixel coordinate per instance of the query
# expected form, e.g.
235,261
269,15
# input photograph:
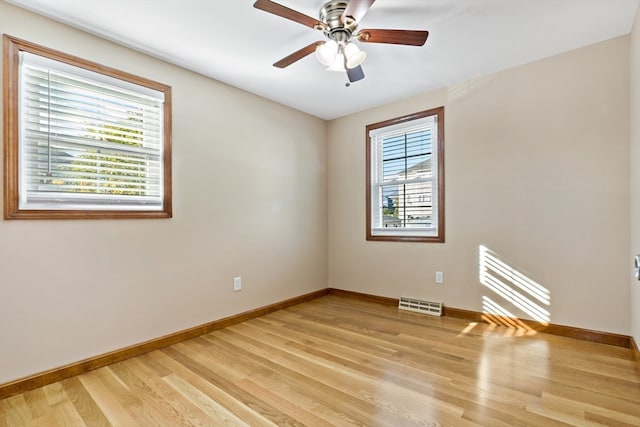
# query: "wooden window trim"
11,146
440,237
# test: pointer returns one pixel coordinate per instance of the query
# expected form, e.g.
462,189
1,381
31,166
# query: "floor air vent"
420,306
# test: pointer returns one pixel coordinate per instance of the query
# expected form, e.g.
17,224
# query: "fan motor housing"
331,14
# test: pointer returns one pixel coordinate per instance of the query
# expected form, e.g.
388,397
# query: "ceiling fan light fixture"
354,55
326,52
338,64
339,21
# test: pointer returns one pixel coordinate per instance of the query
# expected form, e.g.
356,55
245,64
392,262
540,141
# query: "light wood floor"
341,361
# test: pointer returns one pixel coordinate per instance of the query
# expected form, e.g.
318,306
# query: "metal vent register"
420,306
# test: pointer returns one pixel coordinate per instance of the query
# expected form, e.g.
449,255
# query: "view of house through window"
405,178
85,140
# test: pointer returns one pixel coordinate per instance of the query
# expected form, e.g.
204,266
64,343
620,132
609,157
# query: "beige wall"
635,173
536,170
249,199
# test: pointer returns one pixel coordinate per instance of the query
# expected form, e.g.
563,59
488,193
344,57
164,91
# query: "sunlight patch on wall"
511,289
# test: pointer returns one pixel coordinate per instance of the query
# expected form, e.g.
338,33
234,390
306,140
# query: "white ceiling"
234,43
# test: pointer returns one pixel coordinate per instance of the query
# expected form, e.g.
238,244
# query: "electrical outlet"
439,277
237,284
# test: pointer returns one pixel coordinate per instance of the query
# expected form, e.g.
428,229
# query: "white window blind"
404,178
87,140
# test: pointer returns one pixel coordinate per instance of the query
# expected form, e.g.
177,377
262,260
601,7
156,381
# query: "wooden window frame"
11,150
440,235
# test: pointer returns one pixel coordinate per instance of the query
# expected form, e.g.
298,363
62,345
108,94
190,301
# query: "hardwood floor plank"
293,393
209,374
589,412
63,414
619,420
17,411
278,371
157,407
36,401
341,361
615,387
256,378
564,415
55,393
205,391
353,361
107,400
179,403
158,368
284,404
86,407
594,398
217,414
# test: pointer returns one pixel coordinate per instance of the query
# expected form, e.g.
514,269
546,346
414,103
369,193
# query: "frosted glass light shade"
338,64
354,55
326,53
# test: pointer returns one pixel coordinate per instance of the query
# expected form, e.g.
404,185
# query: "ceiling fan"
339,21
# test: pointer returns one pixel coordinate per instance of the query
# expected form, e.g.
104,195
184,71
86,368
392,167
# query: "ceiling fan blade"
355,11
285,12
406,37
297,55
355,74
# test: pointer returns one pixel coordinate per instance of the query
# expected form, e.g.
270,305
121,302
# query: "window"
405,178
82,140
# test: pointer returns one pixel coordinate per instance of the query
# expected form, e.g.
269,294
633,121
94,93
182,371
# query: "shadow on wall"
513,295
